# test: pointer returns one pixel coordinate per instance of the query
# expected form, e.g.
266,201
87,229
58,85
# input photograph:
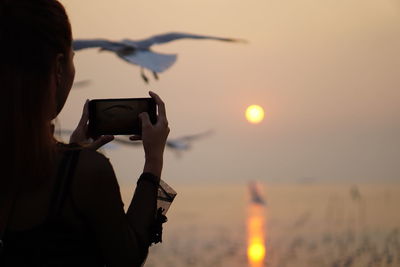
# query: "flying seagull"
138,52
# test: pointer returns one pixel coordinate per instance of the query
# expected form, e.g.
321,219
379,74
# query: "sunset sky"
326,72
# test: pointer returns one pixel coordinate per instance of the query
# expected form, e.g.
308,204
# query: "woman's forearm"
153,166
142,210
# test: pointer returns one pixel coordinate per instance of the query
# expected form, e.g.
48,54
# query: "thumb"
144,117
101,141
85,114
135,138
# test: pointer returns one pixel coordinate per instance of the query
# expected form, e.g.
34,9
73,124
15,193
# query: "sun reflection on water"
256,251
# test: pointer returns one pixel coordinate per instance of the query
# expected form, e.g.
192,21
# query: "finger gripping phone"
119,116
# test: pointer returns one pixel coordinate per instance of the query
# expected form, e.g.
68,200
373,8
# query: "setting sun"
254,114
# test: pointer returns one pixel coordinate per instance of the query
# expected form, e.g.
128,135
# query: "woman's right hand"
154,137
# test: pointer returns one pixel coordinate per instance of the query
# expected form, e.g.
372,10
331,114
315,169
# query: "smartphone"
119,116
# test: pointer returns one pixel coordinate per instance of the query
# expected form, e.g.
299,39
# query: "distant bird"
82,83
138,52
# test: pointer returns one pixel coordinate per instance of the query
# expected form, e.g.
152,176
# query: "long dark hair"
32,33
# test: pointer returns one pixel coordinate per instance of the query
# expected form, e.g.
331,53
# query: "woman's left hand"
81,134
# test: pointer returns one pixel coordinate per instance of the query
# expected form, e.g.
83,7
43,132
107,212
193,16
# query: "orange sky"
326,72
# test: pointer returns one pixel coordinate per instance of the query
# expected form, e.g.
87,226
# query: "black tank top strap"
65,173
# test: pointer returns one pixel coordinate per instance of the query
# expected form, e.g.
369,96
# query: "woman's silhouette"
60,205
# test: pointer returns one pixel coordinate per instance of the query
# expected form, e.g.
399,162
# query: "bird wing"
150,60
193,136
172,36
177,144
183,142
82,83
174,144
126,141
97,43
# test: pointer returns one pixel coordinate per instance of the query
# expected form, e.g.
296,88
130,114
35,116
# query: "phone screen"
119,116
